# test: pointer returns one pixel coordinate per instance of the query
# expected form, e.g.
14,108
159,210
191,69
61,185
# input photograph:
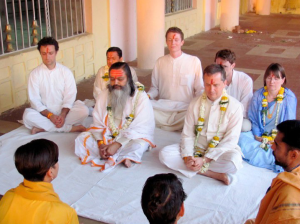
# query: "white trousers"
76,116
228,162
86,148
246,126
169,120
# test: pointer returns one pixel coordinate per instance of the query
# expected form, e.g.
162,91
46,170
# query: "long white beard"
119,99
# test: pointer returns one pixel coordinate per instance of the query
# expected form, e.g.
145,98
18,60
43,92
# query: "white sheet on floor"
114,196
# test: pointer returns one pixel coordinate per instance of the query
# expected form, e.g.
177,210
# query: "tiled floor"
277,40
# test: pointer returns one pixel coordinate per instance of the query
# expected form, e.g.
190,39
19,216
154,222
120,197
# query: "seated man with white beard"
123,123
210,134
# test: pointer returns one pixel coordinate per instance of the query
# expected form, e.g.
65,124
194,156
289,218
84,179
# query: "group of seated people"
221,120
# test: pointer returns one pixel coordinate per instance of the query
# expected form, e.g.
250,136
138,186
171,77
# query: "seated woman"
270,106
34,201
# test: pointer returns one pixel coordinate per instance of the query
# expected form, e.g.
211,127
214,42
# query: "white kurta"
175,81
100,84
53,90
241,88
227,153
135,139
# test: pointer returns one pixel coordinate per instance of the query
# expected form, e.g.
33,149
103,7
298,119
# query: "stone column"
263,7
230,12
150,32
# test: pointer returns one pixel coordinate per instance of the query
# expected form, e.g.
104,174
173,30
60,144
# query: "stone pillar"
150,32
263,7
123,27
230,11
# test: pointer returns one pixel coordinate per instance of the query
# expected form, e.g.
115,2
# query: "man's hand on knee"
113,148
103,151
54,119
193,163
60,121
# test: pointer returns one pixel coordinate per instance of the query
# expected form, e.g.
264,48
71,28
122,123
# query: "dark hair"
277,70
125,67
227,55
213,69
115,49
162,198
48,41
291,132
35,158
175,30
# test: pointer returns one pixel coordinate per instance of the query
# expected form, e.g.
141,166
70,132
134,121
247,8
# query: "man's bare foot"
127,163
79,128
36,130
218,176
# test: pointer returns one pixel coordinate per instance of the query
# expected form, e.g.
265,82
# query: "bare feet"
36,130
79,128
218,176
127,163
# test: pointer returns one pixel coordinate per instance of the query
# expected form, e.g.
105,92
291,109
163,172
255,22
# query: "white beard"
118,100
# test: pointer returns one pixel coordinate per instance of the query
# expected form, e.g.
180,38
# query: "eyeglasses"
273,78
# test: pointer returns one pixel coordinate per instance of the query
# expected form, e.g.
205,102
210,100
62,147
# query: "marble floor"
277,40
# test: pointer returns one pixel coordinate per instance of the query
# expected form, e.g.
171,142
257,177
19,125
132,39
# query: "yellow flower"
264,103
265,93
201,119
115,134
223,108
216,138
265,87
199,129
281,91
131,115
211,145
224,98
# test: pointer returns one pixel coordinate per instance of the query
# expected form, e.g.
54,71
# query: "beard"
118,99
282,164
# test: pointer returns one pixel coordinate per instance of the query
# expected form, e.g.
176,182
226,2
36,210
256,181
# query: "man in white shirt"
210,134
176,80
113,55
239,84
123,123
52,92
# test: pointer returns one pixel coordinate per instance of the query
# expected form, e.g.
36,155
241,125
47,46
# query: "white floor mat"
114,196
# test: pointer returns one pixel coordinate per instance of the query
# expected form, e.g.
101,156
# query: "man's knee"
81,108
246,126
163,155
28,115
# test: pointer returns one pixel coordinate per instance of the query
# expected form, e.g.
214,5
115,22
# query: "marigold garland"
266,138
198,128
105,77
114,130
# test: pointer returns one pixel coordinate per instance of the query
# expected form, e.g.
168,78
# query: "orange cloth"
282,203
35,203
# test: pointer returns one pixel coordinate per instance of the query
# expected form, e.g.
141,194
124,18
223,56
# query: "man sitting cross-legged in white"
176,80
239,84
113,55
123,125
210,134
52,92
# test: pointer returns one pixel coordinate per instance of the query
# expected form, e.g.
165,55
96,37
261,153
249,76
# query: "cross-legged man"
113,55
123,125
176,80
52,92
239,84
210,134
